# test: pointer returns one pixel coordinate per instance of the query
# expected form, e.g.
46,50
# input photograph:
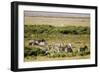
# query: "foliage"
33,51
48,29
76,35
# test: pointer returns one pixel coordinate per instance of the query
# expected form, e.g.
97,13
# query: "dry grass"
58,21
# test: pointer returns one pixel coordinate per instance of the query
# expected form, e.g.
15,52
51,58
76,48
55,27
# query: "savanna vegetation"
78,36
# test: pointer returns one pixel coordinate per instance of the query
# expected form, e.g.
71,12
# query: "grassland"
58,21
56,31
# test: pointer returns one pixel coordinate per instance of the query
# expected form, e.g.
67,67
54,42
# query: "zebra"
68,48
41,42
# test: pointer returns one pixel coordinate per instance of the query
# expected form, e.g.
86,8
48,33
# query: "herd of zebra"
57,47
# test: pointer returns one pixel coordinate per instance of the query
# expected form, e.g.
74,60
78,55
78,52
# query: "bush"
33,51
48,29
83,53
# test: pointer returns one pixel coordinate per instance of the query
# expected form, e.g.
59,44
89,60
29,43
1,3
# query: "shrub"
49,29
33,51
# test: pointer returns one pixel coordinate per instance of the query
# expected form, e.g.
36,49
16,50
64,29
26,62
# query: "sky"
55,14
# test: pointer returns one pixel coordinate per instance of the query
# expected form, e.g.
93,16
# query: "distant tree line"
49,29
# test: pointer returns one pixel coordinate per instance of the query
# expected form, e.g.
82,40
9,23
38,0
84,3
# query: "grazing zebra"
37,42
42,42
59,48
68,48
31,42
56,47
